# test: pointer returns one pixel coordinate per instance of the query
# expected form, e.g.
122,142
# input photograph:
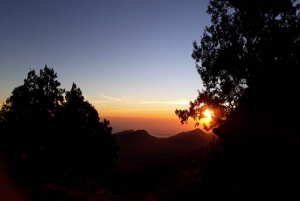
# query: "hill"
139,148
124,132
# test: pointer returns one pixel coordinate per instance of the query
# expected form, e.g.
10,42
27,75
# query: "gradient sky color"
131,59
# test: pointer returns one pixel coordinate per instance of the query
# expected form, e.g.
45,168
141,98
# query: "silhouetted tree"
88,147
28,120
51,138
248,60
249,55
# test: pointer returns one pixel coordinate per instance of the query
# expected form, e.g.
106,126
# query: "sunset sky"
131,59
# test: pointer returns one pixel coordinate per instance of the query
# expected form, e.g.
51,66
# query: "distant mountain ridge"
139,148
124,132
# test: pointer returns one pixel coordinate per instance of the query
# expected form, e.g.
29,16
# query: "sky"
131,59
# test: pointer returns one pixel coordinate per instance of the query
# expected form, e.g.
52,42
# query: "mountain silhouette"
124,132
189,141
139,149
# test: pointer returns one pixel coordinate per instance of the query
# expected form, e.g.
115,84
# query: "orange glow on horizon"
153,125
154,121
138,113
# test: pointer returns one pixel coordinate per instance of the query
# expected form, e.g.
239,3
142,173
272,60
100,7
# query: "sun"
207,114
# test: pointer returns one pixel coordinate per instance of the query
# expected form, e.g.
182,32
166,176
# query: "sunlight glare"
207,114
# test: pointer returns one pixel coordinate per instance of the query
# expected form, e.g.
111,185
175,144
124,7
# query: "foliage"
251,48
248,60
52,137
28,115
92,142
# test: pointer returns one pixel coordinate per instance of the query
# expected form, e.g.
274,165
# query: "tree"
248,60
249,56
88,146
52,137
28,120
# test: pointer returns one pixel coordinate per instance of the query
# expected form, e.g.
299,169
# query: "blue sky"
130,58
